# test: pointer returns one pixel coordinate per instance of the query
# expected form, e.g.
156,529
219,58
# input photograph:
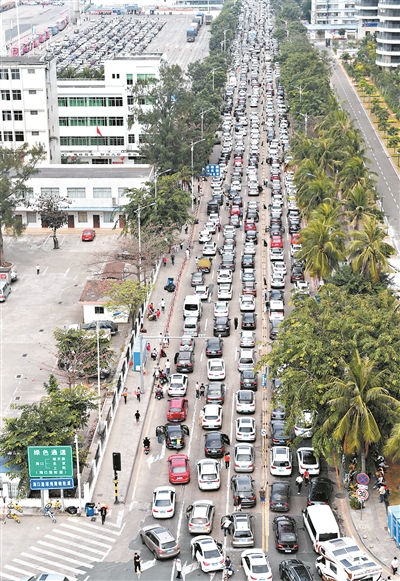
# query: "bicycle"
14,516
54,504
50,514
13,505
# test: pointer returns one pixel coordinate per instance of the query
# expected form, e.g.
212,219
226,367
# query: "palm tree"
323,248
319,189
359,203
353,172
327,212
368,251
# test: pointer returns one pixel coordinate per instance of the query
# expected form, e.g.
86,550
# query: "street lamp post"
139,212
156,176
305,121
300,89
213,73
225,31
202,119
192,149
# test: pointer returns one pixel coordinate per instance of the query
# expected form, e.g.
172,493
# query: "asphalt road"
39,17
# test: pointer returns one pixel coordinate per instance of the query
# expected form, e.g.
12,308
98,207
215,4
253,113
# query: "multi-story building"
367,16
333,14
95,115
388,34
29,114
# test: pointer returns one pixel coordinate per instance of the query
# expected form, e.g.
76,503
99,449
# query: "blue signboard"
264,380
43,483
213,170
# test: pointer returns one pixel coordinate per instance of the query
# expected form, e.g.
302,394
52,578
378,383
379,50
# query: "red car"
235,211
250,225
295,238
88,235
178,469
177,409
276,241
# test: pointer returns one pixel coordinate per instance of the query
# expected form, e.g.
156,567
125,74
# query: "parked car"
294,570
177,409
208,474
174,435
164,498
285,533
106,325
211,416
281,461
215,392
222,327
177,385
245,401
200,516
214,347
307,461
243,490
185,362
240,527
208,553
279,499
320,491
244,459
256,565
178,469
88,235
214,444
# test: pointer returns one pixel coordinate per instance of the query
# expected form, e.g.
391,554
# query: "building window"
82,217
76,192
108,217
15,74
114,101
116,141
131,138
4,74
149,77
131,100
18,116
99,310
5,95
8,136
102,193
50,191
34,112
31,217
97,102
35,133
16,95
115,121
32,92
77,121
115,75
31,71
29,194
62,102
19,136
121,192
129,79
7,116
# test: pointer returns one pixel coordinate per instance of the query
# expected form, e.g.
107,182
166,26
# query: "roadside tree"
128,296
53,210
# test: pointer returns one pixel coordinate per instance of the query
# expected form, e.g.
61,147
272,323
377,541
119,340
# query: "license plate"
288,551
163,511
170,551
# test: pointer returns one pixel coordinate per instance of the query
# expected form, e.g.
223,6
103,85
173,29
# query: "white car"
304,426
211,226
163,502
276,316
302,286
202,291
225,291
208,474
245,429
204,236
216,369
247,303
281,461
229,228
256,565
221,309
228,248
208,553
295,248
279,267
276,254
214,218
277,280
247,339
249,248
211,416
244,458
209,249
307,461
224,275
245,401
236,185
177,385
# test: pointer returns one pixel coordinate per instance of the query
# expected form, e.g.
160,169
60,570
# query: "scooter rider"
159,392
146,442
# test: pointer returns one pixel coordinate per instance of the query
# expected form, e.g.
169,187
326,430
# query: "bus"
62,23
43,36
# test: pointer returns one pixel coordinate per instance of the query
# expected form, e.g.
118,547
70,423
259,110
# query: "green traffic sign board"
50,461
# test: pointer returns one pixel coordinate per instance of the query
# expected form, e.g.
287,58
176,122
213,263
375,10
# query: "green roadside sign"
50,461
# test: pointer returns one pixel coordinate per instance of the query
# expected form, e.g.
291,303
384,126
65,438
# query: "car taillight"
279,546
237,465
301,468
207,524
253,497
273,467
207,450
296,546
206,564
155,510
285,504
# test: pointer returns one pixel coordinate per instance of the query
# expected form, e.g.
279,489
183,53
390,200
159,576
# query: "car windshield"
213,441
243,457
246,397
288,537
165,502
243,534
213,476
198,520
179,469
212,554
309,458
175,409
168,545
260,568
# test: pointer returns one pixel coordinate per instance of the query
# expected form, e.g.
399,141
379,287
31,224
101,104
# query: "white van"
191,326
320,524
5,289
192,306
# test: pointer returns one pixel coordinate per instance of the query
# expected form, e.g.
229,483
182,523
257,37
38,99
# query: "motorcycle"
146,446
159,394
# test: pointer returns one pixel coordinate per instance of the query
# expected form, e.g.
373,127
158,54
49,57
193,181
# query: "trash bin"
89,508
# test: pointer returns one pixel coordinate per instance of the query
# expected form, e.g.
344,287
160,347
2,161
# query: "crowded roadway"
214,402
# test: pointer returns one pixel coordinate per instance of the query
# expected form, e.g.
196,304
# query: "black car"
249,321
215,392
214,347
276,229
294,570
275,383
320,491
214,444
285,532
174,435
222,326
296,273
279,499
228,261
219,198
185,362
197,278
212,207
274,329
252,236
294,227
243,490
279,436
247,261
109,325
248,380
276,295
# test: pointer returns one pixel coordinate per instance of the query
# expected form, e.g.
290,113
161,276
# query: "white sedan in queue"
177,385
211,416
256,565
224,275
204,236
247,303
208,474
208,553
209,249
221,309
245,429
216,369
225,291
163,502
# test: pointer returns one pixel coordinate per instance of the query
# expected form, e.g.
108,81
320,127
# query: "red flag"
98,132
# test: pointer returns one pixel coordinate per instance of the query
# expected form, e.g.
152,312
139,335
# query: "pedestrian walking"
226,526
137,416
197,389
186,228
138,393
306,477
172,259
162,305
198,188
136,563
187,252
299,483
37,269
236,323
394,565
262,495
202,390
103,513
181,245
164,261
196,261
382,490
167,367
227,459
125,394
176,357
386,496
178,566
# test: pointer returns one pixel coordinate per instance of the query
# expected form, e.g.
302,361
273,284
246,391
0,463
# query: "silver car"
244,460
200,516
247,339
160,541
